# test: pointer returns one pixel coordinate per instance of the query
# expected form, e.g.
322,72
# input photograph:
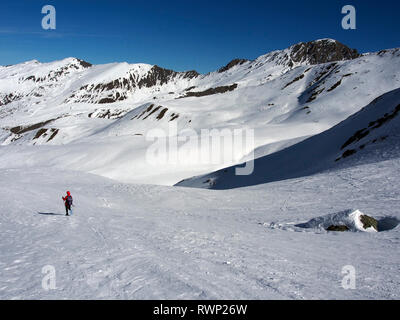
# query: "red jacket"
68,194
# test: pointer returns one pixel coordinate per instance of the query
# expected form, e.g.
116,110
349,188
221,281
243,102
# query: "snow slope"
356,137
153,242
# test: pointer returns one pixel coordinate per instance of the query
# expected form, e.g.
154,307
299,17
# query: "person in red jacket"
67,202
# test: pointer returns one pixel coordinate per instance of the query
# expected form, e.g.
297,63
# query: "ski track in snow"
153,242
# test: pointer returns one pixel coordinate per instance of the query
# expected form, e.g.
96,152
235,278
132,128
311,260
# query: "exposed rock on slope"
231,64
322,51
211,91
120,89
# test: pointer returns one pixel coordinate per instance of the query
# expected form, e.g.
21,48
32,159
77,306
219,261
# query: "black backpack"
68,201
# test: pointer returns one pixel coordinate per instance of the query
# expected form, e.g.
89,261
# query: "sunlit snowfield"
152,242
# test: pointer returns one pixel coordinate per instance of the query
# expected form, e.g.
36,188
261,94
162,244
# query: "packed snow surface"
128,241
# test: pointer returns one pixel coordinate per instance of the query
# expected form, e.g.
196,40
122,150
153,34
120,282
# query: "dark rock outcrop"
160,76
362,133
118,89
322,51
8,98
341,228
369,222
27,128
231,64
211,91
84,64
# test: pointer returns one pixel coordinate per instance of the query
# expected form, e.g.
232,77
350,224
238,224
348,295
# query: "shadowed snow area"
155,242
387,223
370,135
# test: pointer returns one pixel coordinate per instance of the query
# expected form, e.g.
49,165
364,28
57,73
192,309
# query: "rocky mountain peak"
84,63
321,51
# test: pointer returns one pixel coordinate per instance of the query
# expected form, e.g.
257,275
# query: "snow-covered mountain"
96,118
326,129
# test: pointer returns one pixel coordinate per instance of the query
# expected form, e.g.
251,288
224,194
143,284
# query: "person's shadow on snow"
50,214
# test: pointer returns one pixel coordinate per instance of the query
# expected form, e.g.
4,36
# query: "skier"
67,202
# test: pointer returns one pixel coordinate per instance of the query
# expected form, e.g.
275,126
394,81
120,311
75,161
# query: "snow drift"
352,220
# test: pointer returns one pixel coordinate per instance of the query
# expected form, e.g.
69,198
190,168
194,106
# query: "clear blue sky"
185,35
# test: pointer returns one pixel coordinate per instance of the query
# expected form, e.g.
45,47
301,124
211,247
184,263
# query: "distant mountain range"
95,118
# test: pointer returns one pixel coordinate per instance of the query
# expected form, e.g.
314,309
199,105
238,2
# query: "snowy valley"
326,122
